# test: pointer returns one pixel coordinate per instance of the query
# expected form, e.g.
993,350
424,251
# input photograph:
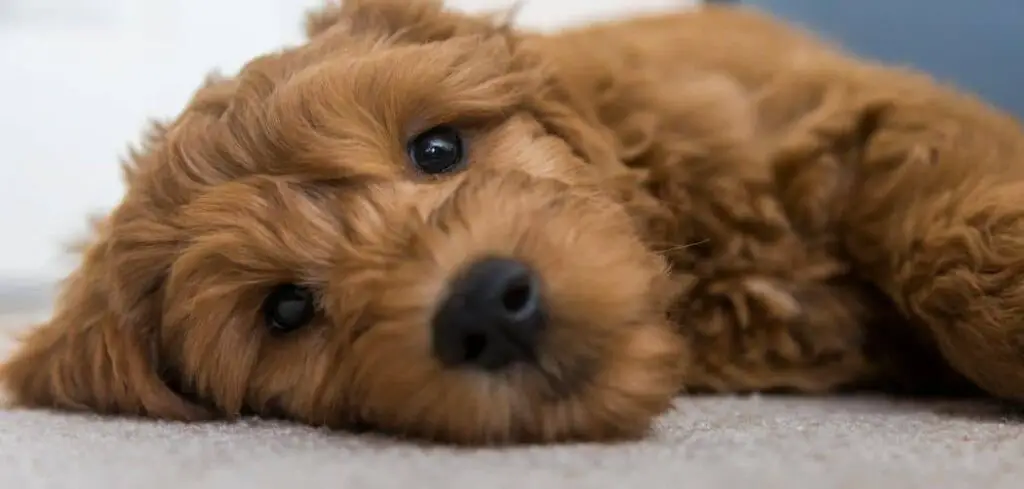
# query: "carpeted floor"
771,442
705,443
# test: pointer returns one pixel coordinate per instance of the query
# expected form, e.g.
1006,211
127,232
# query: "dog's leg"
759,332
936,221
946,242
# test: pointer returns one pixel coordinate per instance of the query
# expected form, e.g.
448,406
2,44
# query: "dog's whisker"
681,247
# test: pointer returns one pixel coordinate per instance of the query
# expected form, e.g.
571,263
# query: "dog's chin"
592,392
609,387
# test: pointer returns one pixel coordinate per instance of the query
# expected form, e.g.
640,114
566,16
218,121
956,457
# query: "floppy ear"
562,110
99,350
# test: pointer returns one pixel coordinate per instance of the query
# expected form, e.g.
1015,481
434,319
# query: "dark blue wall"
977,45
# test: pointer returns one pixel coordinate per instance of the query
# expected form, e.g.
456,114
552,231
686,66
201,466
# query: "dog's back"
916,185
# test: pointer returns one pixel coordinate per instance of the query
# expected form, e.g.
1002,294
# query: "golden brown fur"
714,200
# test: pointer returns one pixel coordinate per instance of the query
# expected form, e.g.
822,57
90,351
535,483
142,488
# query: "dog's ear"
99,350
417,21
564,111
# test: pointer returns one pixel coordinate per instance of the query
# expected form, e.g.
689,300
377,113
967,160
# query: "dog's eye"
288,307
439,150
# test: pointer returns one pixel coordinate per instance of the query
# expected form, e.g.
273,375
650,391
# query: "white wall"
78,78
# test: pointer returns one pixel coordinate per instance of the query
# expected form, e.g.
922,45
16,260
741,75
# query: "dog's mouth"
561,395
564,379
597,389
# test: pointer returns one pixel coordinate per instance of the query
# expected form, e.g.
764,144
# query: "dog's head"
402,224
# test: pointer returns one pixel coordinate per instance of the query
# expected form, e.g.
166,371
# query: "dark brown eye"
288,307
438,150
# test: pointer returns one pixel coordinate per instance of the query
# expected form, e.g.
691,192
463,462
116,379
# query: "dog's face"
368,230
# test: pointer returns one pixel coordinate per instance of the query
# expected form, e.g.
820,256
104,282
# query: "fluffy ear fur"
96,354
563,112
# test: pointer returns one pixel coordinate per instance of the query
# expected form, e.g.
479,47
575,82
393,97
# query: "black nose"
491,318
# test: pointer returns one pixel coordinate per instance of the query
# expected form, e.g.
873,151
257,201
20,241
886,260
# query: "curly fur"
716,201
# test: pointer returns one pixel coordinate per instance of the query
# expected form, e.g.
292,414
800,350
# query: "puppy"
434,225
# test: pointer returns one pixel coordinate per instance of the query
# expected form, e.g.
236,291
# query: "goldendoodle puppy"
435,225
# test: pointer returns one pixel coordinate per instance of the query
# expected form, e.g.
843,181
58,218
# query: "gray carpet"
704,443
772,442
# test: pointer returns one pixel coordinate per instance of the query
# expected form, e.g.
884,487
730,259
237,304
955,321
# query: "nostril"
473,346
518,296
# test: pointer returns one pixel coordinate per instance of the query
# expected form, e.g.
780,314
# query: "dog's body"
806,221
828,210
